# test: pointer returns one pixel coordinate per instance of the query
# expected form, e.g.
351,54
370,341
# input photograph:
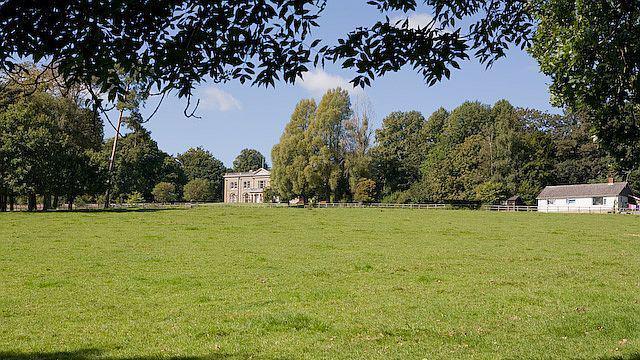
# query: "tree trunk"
70,203
3,203
46,202
107,195
56,202
12,201
31,203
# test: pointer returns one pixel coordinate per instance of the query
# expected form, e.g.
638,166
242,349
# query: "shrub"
398,197
198,190
270,195
135,198
490,192
365,191
164,192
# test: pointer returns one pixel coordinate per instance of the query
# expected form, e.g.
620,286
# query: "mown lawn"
253,283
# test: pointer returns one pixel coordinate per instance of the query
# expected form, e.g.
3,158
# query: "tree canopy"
201,164
249,160
48,146
140,164
399,151
473,153
312,157
591,51
176,44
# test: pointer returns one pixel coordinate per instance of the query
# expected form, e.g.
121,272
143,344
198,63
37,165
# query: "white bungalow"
606,197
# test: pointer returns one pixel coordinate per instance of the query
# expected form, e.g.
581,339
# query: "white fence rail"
508,208
383,206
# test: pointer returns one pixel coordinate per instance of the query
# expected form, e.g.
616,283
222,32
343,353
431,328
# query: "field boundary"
438,206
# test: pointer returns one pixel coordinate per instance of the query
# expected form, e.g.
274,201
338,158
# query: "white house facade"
246,187
606,197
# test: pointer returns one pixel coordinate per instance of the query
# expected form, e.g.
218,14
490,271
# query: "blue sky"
235,116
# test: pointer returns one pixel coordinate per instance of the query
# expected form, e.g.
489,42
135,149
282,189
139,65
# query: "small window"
260,184
234,185
551,202
246,184
598,200
571,201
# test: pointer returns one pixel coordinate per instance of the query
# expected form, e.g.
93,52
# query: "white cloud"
214,98
318,81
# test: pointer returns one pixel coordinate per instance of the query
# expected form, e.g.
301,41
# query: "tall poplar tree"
326,138
291,155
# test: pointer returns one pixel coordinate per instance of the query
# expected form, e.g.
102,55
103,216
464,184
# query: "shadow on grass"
106,211
134,210
96,354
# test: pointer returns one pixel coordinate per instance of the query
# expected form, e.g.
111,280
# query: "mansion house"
246,187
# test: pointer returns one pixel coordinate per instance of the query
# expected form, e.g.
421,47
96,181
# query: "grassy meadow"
258,283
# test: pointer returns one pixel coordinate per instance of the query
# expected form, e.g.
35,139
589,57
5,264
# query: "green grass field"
257,283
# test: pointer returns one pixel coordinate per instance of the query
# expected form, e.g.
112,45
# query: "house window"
571,201
551,202
234,185
260,184
598,200
246,184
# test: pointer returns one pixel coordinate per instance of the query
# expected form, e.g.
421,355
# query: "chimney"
610,180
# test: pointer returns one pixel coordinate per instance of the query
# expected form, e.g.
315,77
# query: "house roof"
585,190
514,198
261,171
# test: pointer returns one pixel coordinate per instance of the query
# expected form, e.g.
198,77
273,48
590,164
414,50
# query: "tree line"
53,152
473,153
589,49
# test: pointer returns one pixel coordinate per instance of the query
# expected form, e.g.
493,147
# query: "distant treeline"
475,152
53,152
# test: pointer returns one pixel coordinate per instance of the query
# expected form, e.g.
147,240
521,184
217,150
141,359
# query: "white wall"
582,204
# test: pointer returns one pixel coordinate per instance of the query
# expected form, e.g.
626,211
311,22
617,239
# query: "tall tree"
128,106
291,155
358,161
140,164
249,160
399,151
325,171
201,164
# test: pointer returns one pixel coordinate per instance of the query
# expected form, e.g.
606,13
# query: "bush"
365,191
164,192
135,198
198,190
397,197
490,192
270,195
